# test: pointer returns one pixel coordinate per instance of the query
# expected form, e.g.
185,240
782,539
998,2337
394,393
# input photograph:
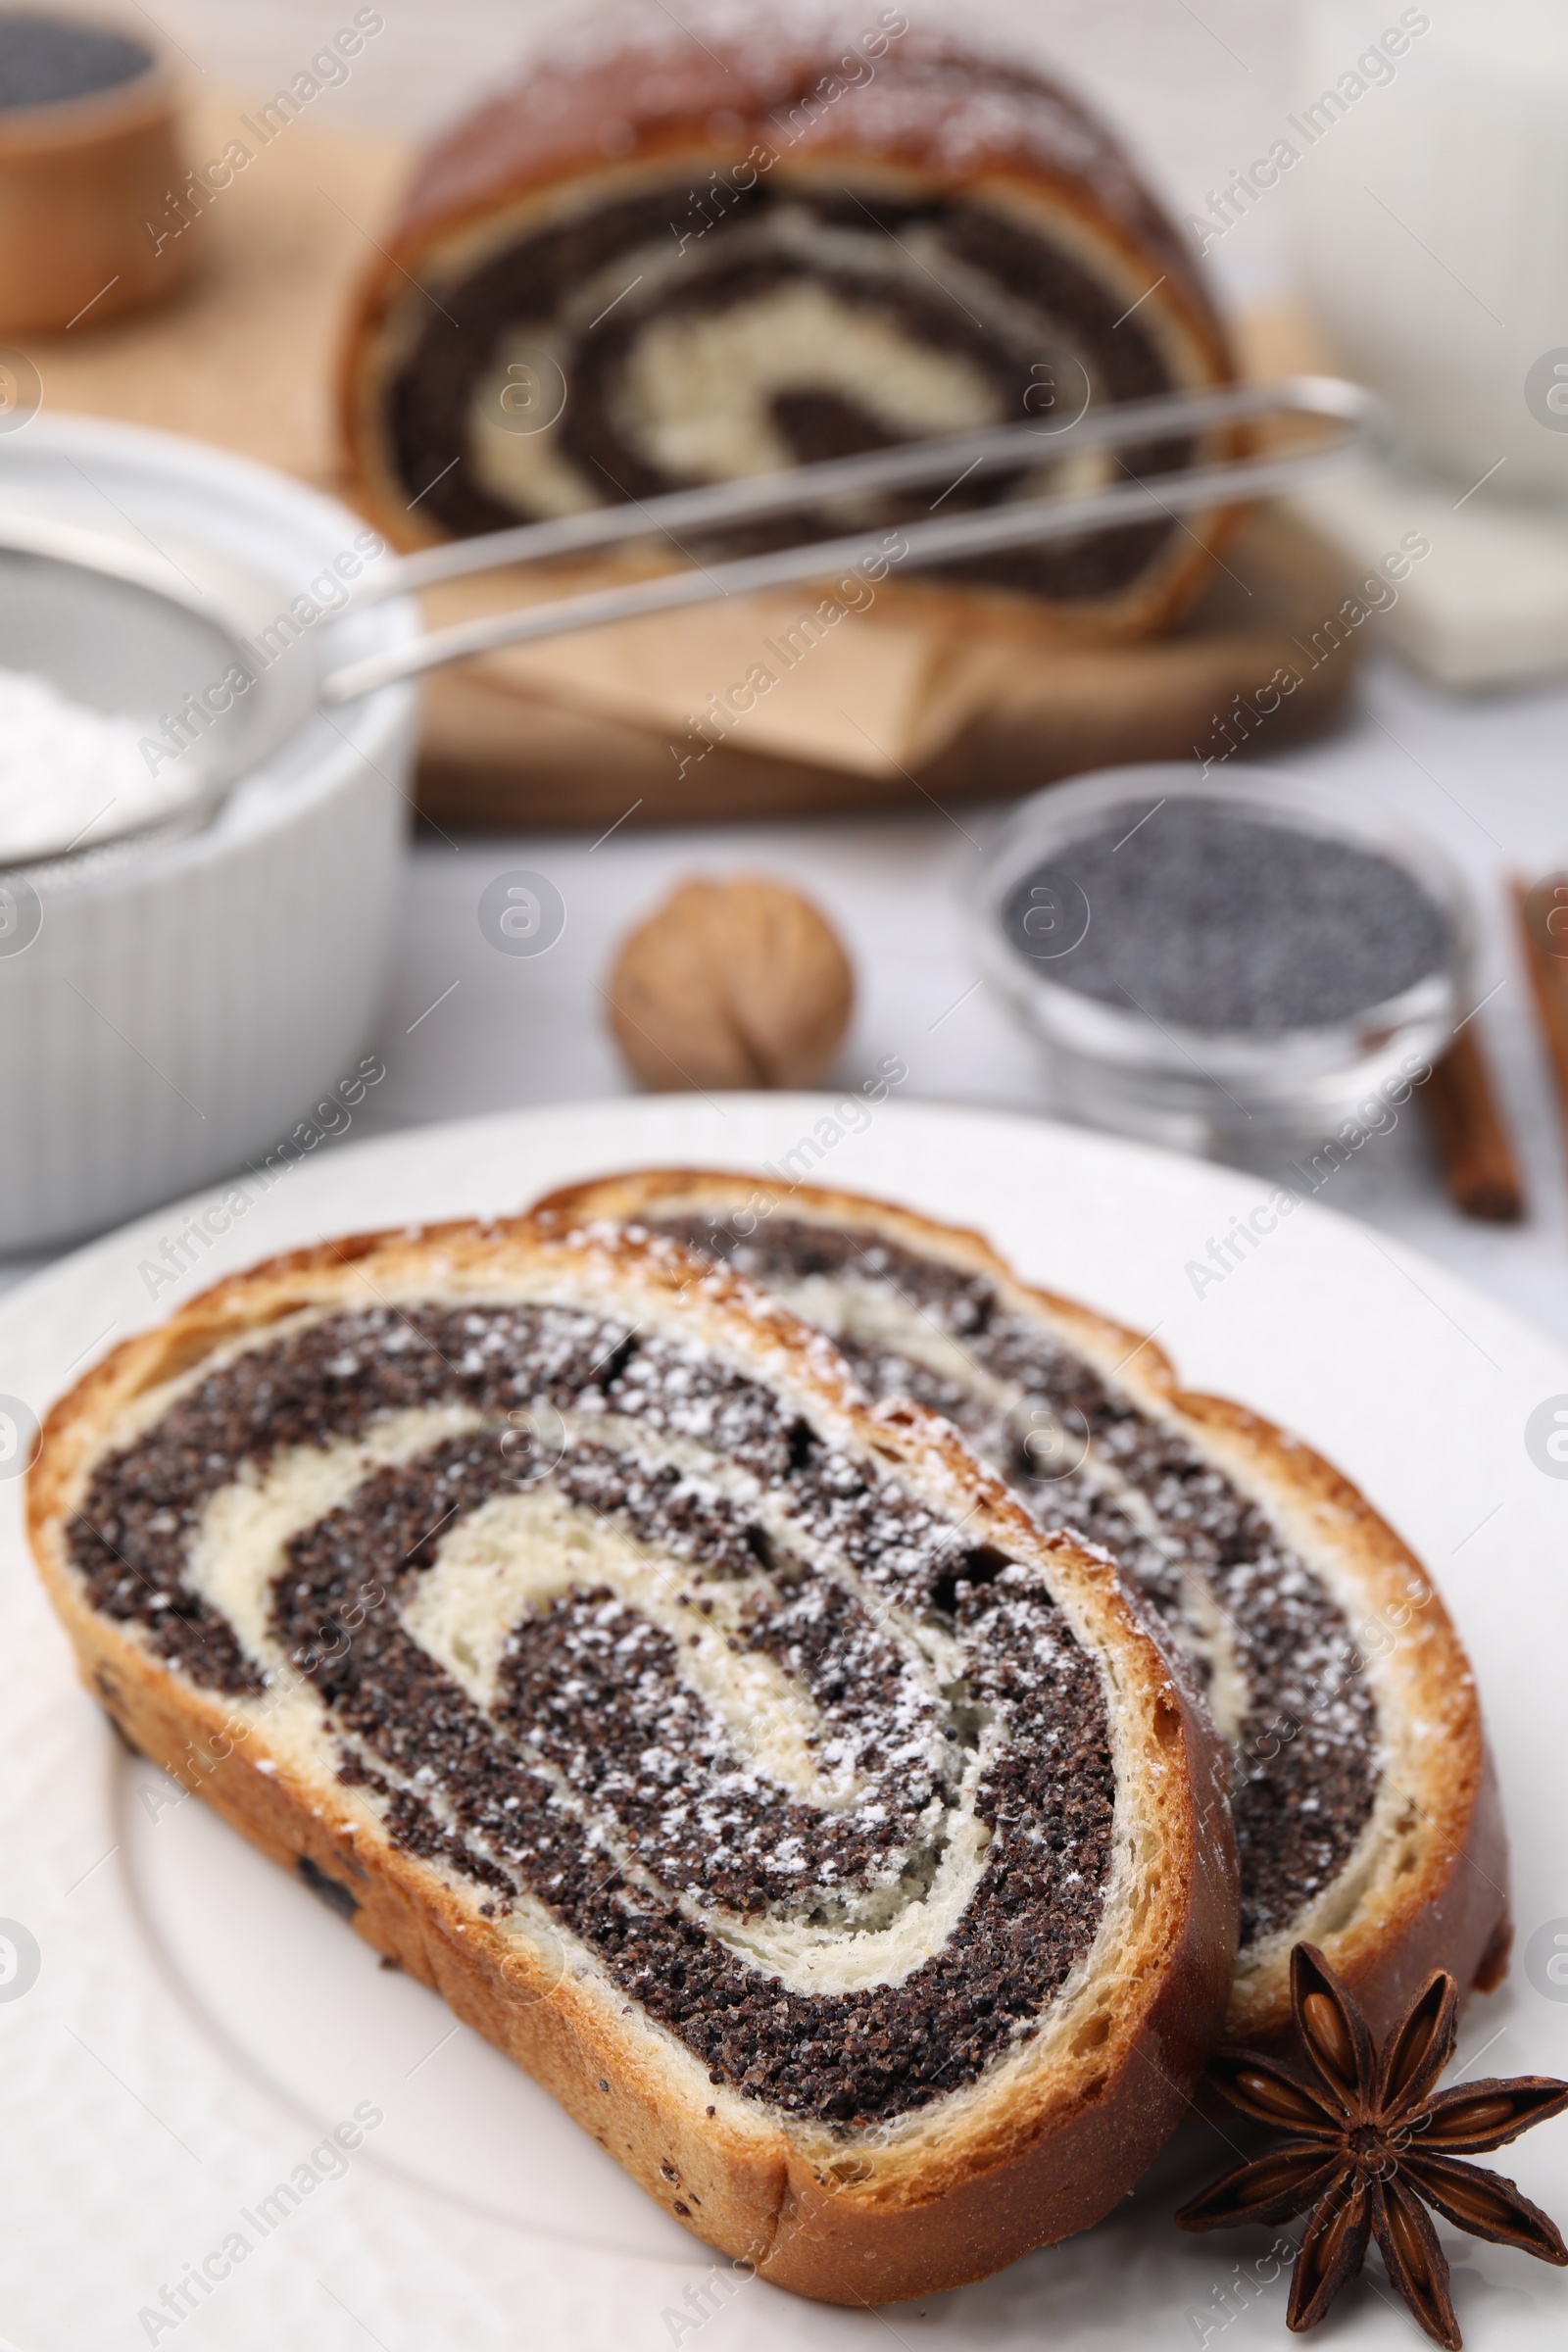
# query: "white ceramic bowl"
177,1014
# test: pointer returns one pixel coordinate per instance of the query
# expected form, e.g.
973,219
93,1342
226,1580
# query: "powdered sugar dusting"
849,1915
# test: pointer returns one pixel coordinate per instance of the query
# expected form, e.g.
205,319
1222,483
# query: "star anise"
1368,2140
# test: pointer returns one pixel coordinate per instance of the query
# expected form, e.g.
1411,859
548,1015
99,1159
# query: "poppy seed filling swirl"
829,1794
601,357
1284,1672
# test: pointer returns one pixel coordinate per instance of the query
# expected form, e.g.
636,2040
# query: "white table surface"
464,1028
1485,777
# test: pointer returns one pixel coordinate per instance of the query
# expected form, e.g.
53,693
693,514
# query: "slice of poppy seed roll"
837,1847
688,252
1366,1809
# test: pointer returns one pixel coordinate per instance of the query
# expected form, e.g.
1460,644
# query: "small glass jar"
1225,1093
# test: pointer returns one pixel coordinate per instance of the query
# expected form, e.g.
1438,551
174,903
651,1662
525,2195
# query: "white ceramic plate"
198,2024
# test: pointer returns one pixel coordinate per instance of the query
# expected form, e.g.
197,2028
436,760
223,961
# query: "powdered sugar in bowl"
1221,966
187,961
69,771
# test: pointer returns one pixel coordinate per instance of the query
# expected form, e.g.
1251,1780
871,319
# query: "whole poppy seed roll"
675,255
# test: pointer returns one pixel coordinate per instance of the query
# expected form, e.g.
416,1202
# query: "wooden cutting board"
880,710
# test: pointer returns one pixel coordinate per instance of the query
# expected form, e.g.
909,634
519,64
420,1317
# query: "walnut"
737,983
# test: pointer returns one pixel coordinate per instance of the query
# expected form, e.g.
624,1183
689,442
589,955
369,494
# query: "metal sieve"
126,626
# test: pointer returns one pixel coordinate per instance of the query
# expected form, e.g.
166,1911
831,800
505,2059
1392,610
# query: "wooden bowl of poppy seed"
89,154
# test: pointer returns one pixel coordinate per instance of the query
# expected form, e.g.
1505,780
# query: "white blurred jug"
1431,214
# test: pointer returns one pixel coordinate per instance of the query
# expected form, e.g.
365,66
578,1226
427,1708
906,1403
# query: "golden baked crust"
614,116
982,2176
1436,1894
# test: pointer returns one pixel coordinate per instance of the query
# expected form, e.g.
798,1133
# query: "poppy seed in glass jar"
1211,919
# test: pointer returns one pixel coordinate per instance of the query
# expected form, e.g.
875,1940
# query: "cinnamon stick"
1542,910
1478,1155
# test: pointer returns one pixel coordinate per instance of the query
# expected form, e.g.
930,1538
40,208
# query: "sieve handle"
1021,523
990,451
